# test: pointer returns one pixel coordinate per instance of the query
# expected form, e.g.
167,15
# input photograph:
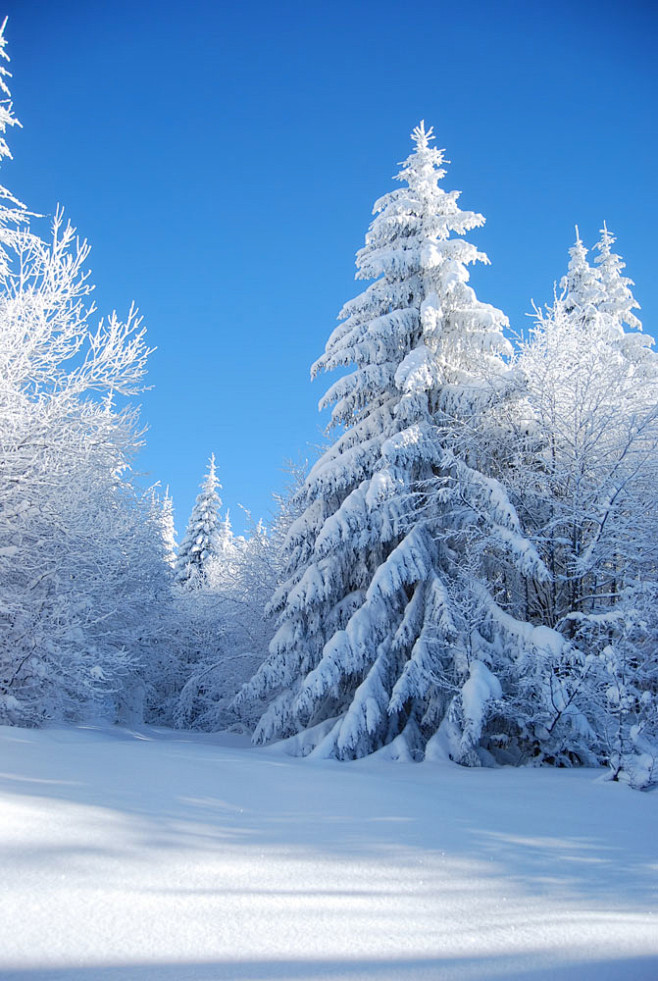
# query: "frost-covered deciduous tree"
12,211
200,541
588,499
79,570
378,639
75,541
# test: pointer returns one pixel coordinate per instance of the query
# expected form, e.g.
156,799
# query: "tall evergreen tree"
200,541
375,642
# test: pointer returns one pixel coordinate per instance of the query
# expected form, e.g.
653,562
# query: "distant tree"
240,580
199,544
377,641
168,529
614,298
581,286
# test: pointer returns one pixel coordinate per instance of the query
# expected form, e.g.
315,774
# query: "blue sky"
223,160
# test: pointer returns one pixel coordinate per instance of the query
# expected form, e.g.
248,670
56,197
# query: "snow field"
154,854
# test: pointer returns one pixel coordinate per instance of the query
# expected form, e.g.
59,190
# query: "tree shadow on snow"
520,967
167,790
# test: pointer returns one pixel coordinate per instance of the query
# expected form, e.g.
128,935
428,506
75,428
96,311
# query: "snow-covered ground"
158,855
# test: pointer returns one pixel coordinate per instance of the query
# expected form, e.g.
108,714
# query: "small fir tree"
580,286
615,298
200,542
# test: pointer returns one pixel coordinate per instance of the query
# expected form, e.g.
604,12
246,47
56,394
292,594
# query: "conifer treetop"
422,136
618,300
580,285
201,537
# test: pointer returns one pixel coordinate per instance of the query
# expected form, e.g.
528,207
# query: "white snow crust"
166,856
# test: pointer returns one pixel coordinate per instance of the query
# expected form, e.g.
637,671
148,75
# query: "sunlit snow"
160,855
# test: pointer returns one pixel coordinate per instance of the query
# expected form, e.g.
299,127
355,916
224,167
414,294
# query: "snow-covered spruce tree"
200,541
616,303
581,287
378,639
614,296
588,498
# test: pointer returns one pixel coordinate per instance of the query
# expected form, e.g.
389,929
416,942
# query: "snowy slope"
158,855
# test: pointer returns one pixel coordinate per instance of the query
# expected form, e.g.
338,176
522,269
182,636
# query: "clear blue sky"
222,159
